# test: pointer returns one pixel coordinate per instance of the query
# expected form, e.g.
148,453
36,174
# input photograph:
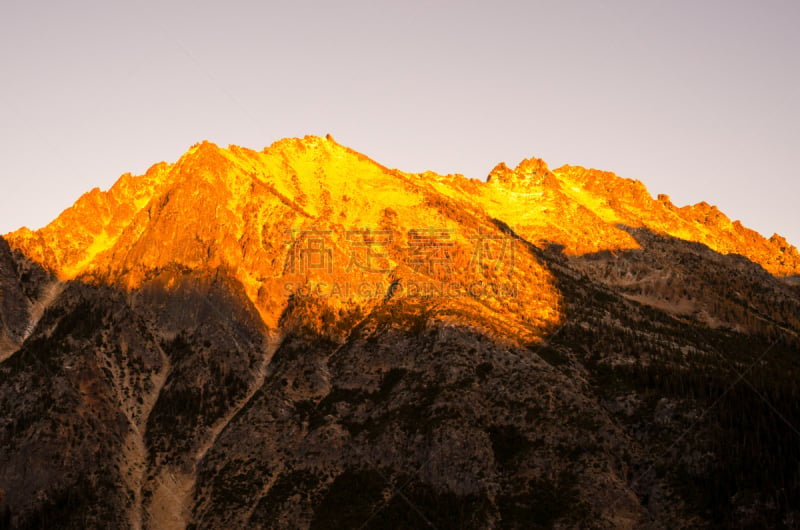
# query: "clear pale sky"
697,99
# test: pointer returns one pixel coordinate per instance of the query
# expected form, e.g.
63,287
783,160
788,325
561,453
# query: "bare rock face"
301,337
13,303
25,289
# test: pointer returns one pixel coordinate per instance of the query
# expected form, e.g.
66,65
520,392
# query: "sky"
697,99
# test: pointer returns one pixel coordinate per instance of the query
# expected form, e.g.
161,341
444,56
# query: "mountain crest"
224,206
530,172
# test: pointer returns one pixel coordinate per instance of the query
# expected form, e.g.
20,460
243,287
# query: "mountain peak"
529,172
532,167
202,146
308,142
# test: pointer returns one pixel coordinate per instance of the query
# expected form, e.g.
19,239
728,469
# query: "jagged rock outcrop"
529,174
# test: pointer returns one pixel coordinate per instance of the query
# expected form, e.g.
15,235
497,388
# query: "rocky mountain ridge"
303,338
292,171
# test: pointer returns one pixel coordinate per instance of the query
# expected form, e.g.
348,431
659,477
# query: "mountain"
303,338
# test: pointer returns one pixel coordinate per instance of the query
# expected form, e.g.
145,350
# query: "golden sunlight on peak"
214,204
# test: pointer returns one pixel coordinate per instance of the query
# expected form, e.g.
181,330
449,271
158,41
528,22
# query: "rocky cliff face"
301,337
14,304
